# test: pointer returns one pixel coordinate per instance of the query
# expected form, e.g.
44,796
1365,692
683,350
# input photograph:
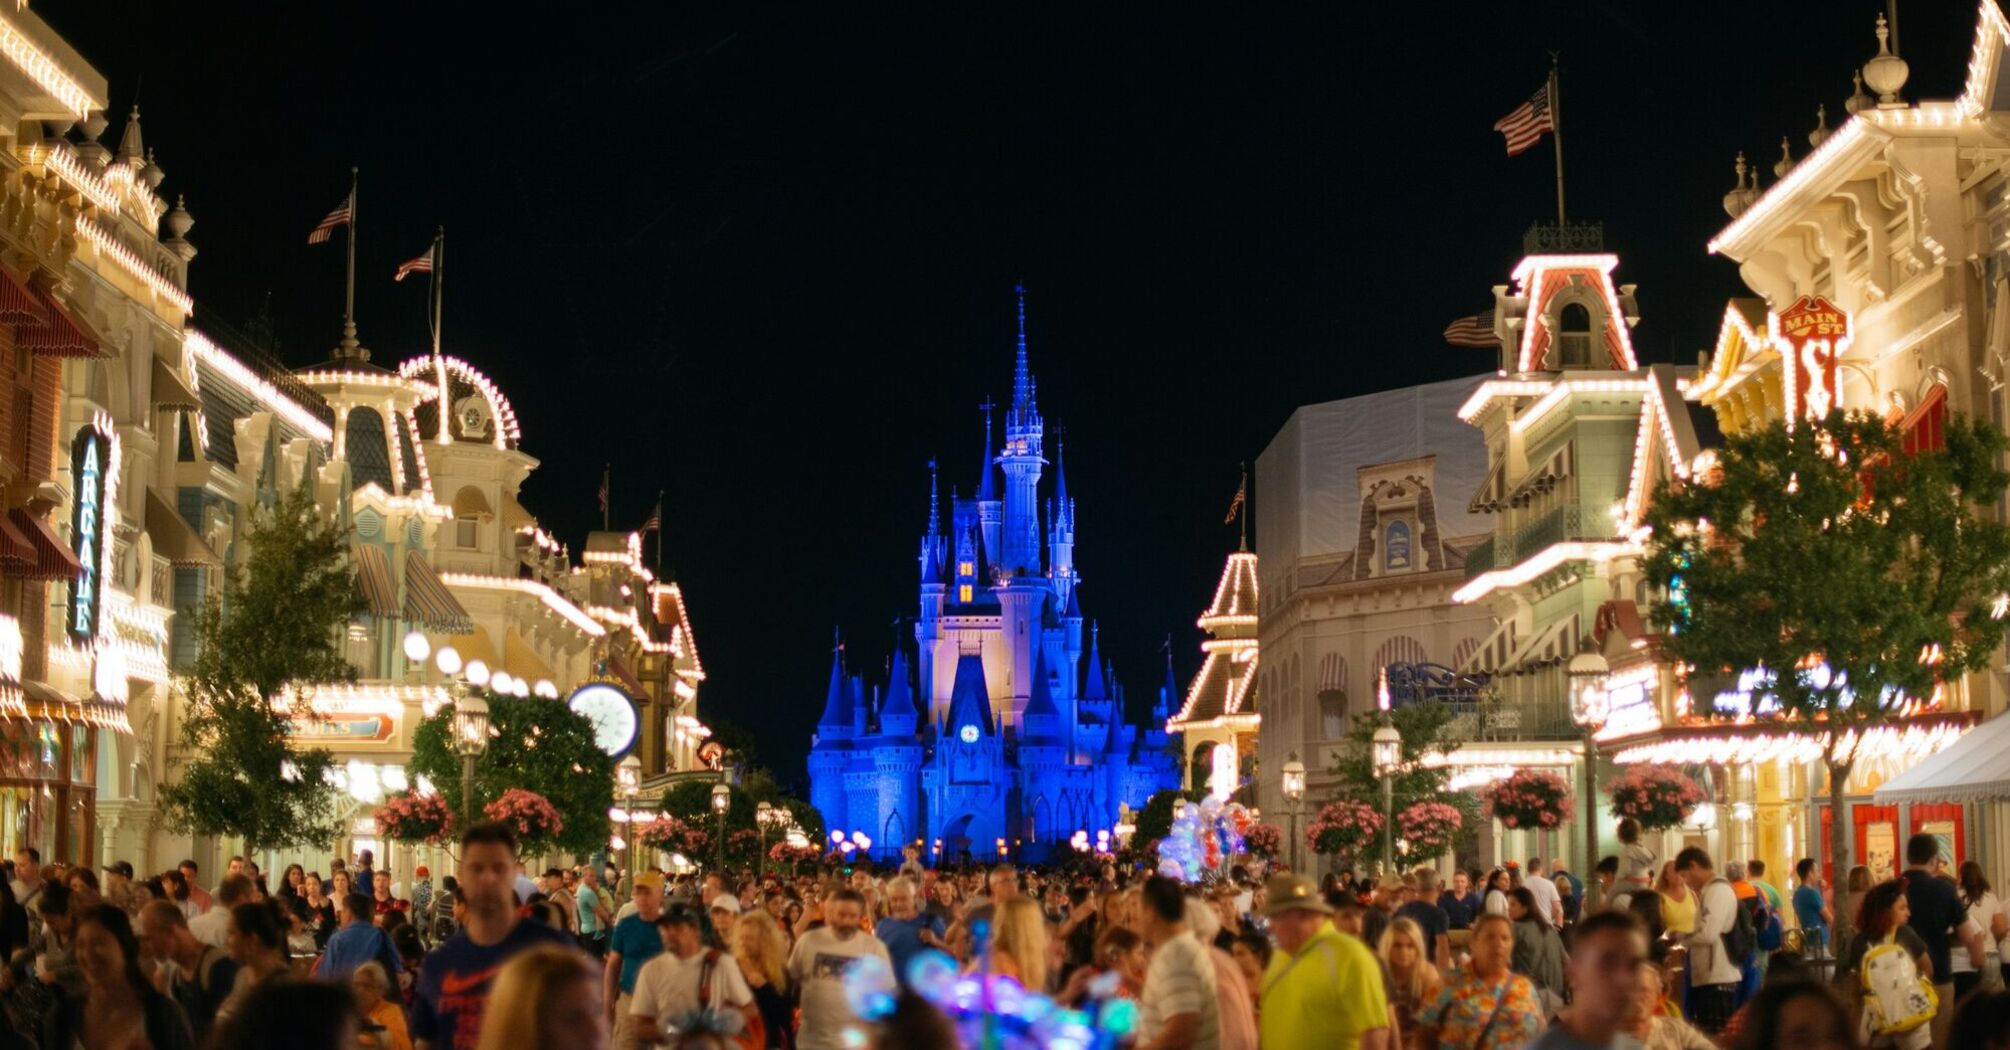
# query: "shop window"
1332,714
467,534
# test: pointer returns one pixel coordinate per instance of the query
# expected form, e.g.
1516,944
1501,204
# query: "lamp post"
1590,704
471,738
722,797
767,818
1294,793
628,780
1388,756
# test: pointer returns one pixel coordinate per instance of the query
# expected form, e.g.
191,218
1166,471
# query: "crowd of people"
1663,956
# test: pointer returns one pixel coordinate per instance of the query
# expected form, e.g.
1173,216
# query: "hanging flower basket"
416,817
1263,840
783,853
1343,829
1532,799
1429,828
672,835
532,815
1656,795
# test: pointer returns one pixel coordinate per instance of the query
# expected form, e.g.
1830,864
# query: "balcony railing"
1565,521
1497,720
1480,558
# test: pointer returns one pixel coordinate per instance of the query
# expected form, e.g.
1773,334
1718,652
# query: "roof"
899,702
837,700
1235,597
1975,768
1042,718
969,698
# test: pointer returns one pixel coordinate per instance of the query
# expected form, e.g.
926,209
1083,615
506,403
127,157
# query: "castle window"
1574,336
1396,547
963,594
964,568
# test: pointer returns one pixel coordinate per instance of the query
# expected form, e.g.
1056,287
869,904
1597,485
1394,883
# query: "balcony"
1480,558
1565,521
1480,720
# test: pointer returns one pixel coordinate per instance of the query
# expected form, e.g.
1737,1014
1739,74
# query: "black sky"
762,256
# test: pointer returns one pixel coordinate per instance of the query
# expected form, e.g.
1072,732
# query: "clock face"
612,715
968,733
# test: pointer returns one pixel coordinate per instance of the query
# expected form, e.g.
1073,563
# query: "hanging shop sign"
90,458
1812,336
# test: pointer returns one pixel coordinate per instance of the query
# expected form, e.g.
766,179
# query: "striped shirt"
1180,980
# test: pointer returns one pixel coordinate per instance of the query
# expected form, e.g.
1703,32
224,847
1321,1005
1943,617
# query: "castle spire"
1023,398
1063,509
987,486
1095,687
837,703
934,502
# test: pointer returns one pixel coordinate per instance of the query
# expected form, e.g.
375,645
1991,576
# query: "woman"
382,1021
1986,912
341,884
1636,861
176,885
119,1007
1252,956
1413,982
1118,952
83,883
1019,944
1235,1017
1650,1021
1483,1004
1795,1015
386,904
960,944
292,1015
257,944
551,993
1849,902
1982,1023
319,909
1538,948
1882,920
1811,909
292,884
1499,882
1678,904
763,955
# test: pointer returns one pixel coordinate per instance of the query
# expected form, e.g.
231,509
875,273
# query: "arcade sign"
1812,335
90,458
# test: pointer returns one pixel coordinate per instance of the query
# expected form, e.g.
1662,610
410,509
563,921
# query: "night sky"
763,258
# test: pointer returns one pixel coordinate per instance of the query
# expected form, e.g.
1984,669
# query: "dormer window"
1574,336
1396,547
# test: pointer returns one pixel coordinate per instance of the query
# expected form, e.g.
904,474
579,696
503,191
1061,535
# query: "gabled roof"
899,702
1093,685
1235,597
1042,718
837,700
969,698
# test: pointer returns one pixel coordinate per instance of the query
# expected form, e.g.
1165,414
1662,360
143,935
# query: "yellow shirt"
1325,997
1678,916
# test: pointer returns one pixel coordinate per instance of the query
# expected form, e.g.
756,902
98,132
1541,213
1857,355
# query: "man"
235,867
594,914
1460,903
1322,990
1603,986
1179,1009
120,890
453,987
1755,871
196,894
1754,904
938,901
1431,917
1938,917
27,883
1544,892
714,885
1391,893
685,978
724,912
365,878
906,930
422,894
357,942
634,943
817,967
1001,885
213,926
200,976
1574,907
1613,897
1713,974
553,885
524,887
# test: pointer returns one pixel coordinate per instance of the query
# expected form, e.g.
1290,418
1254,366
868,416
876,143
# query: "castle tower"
1042,759
1022,463
934,586
988,507
1061,532
896,757
832,752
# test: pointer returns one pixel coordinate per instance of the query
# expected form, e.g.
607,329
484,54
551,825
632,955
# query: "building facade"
1011,736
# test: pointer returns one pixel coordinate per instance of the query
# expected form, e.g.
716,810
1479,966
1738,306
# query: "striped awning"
373,580
42,702
1492,654
52,560
618,669
429,602
1493,494
173,538
18,305
1553,470
60,336
1553,645
16,549
170,391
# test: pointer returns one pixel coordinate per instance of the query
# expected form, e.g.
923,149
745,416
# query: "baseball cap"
120,867
727,903
1286,891
681,913
651,879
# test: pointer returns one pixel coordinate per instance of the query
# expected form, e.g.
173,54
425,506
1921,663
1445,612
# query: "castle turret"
989,508
897,717
1022,463
832,752
1061,532
896,759
934,586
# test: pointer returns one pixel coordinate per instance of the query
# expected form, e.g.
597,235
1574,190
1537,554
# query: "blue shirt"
636,939
453,987
365,880
1808,907
1461,910
352,946
903,938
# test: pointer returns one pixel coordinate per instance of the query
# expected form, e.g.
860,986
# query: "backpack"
1741,940
1896,998
1771,931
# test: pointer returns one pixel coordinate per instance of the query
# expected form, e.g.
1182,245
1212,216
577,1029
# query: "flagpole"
1556,134
606,494
349,297
659,533
439,305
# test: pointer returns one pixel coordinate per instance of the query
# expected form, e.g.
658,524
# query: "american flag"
1235,505
655,522
606,475
1474,331
1525,126
339,217
422,264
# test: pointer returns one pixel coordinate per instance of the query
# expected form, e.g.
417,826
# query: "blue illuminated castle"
1004,731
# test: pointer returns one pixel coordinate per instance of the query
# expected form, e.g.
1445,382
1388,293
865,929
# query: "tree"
1427,730
537,745
1155,821
1848,574
279,620
691,802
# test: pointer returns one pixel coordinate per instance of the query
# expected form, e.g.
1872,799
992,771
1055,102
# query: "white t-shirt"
212,927
1496,903
1180,980
666,988
1981,913
1546,898
817,966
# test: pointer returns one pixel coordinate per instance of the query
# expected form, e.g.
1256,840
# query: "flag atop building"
423,263
339,217
1476,331
1530,121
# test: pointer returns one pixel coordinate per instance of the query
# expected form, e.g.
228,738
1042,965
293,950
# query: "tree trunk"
1839,835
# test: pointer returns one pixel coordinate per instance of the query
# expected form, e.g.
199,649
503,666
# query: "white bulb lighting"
417,648
477,673
448,659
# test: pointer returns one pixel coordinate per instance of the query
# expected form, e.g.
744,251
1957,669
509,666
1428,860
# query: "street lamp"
471,738
766,819
1590,704
628,778
722,797
1388,756
1294,793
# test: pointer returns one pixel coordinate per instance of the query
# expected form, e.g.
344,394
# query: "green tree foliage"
536,745
691,802
1830,542
1154,822
1427,729
280,620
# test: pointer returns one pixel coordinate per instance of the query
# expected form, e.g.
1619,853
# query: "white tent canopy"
1975,768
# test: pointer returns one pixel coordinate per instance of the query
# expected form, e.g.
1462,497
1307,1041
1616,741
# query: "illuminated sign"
1812,336
90,454
343,729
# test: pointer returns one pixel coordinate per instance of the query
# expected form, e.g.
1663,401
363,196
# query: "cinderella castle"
1007,737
